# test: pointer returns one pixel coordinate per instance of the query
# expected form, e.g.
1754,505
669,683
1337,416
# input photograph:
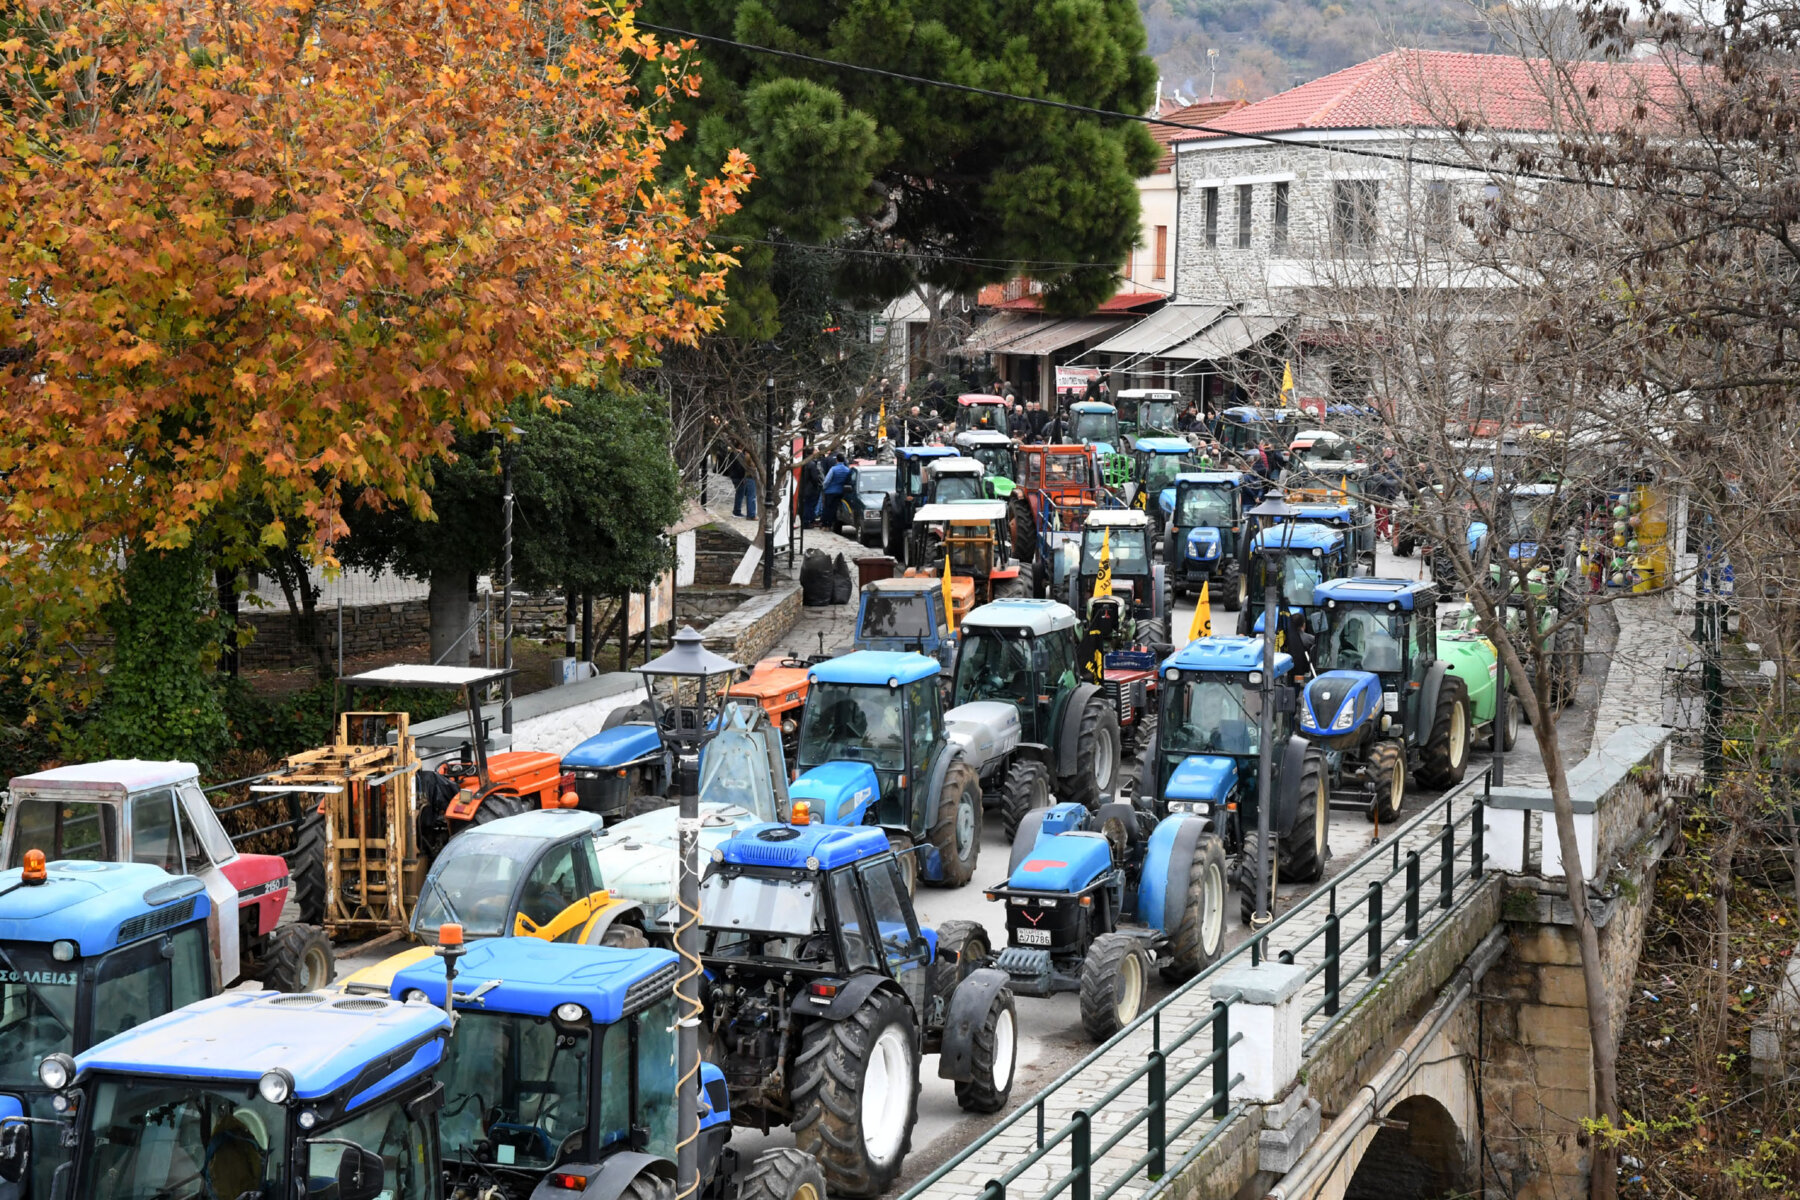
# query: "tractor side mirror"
15,1151
360,1173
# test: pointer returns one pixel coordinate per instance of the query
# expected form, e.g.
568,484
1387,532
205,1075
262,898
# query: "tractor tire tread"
783,1173
1301,856
1385,758
286,969
977,1094
306,870
1188,954
1101,969
1436,770
1082,785
827,1100
959,781
1027,787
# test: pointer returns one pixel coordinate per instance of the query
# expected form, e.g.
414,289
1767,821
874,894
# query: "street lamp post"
697,679
507,433
1273,509
769,485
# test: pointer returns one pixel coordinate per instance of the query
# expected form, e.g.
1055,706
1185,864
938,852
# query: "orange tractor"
361,854
1055,489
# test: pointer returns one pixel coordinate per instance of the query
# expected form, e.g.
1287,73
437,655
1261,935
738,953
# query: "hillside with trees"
1266,46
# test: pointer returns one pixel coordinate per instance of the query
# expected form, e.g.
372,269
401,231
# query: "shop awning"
1169,326
1231,335
1002,328
1052,338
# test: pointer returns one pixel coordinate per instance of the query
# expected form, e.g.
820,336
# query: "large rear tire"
956,833
646,1186
1445,755
306,870
902,846
856,1095
1027,787
1196,940
499,806
1114,976
1387,772
990,1081
1306,847
1098,752
300,960
1237,587
783,1173
1024,530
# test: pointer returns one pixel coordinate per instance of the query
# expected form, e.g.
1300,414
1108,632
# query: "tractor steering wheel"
457,768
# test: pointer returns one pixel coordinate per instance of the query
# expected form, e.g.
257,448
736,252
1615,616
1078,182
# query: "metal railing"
1436,869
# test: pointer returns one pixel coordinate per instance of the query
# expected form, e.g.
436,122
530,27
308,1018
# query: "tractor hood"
1202,543
638,859
837,793
1339,705
617,747
1202,779
1477,534
1063,862
985,729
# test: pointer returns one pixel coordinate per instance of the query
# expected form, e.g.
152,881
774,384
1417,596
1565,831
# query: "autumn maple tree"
267,258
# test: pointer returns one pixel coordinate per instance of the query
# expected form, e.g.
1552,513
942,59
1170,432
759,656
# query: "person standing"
743,496
812,478
831,498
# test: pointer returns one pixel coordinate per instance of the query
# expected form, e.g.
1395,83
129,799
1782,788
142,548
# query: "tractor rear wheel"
1237,588
902,846
1097,755
783,1173
990,1080
1114,976
1306,847
299,960
1016,588
306,870
646,1186
1387,772
1247,876
968,943
1445,755
1027,787
1195,941
1024,529
499,805
890,537
1505,738
957,831
856,1095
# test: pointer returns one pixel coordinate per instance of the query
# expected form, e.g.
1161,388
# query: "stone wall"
372,629
753,629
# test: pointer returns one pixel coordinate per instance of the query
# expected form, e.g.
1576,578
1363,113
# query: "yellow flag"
949,600
1202,626
1344,485
1287,382
1103,584
881,421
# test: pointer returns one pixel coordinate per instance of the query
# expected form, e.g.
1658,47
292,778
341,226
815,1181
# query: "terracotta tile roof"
1203,112
1409,89
1120,302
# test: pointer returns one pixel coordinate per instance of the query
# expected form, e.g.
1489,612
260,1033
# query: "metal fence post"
1080,1153
1447,865
1478,832
1412,895
1221,1026
1158,1107
1375,928
1331,964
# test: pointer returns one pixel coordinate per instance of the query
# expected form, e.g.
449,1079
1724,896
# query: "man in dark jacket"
832,498
812,479
743,487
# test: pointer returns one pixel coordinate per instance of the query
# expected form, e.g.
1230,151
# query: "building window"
1162,253
1438,211
1212,217
1278,234
1353,212
1245,191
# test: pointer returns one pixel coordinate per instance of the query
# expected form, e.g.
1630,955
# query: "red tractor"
1055,489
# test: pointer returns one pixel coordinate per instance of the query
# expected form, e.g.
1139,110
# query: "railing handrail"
1256,948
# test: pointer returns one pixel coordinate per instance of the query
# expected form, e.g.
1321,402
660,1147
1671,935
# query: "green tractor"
998,455
1395,694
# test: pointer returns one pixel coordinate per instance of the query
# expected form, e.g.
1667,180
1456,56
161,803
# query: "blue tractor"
1204,516
250,1095
910,485
1308,555
1351,517
562,1077
1094,899
1205,758
822,992
1243,428
906,614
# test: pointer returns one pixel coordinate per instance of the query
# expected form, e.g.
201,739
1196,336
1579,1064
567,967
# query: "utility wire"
1087,110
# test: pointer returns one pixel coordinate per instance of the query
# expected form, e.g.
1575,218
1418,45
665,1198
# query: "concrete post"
1268,1015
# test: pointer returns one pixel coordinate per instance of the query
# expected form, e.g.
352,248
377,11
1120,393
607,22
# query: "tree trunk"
302,597
226,581
447,604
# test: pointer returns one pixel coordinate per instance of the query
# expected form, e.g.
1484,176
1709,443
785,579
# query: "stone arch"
1425,1160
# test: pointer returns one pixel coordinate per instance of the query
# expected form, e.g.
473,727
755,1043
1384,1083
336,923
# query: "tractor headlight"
1345,716
569,1014
1173,675
276,1086
413,996
1189,806
56,1071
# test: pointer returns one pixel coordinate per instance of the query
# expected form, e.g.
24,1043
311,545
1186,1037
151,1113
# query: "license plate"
1032,937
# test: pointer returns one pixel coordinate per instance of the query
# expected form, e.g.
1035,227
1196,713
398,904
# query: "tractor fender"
1162,891
1068,737
1286,795
849,998
1062,817
934,786
607,1180
611,915
1038,751
1419,728
963,1019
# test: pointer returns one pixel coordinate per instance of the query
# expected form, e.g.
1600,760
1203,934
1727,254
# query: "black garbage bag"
816,581
841,584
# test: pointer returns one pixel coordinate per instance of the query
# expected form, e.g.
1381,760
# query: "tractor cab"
1342,512
1149,411
564,1059
898,506
1209,731
1024,653
1156,462
972,537
253,1094
997,454
1204,515
983,412
1308,555
1119,543
1326,454
905,614
1096,423
1245,427
952,480
1058,486
87,949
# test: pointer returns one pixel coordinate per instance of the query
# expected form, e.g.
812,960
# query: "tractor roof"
615,747
1314,435
1404,592
1533,489
980,398
1037,616
1252,412
1148,394
329,1043
1214,478
924,451
956,466
962,512
1225,654
983,438
1117,518
545,824
906,583
98,905
1322,512
531,977
119,776
804,847
1092,406
1299,535
1164,445
874,667
425,675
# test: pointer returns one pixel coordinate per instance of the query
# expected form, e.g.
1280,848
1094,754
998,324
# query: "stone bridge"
1412,1029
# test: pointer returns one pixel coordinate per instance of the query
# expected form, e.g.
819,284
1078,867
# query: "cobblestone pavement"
1649,631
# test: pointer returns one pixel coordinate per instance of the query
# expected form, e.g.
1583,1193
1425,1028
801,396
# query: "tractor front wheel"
1114,976
1387,773
902,846
1024,529
306,870
1237,588
299,960
1195,942
856,1095
966,942
1445,755
1097,755
499,805
1247,860
783,1173
990,1080
957,831
1027,787
1304,850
